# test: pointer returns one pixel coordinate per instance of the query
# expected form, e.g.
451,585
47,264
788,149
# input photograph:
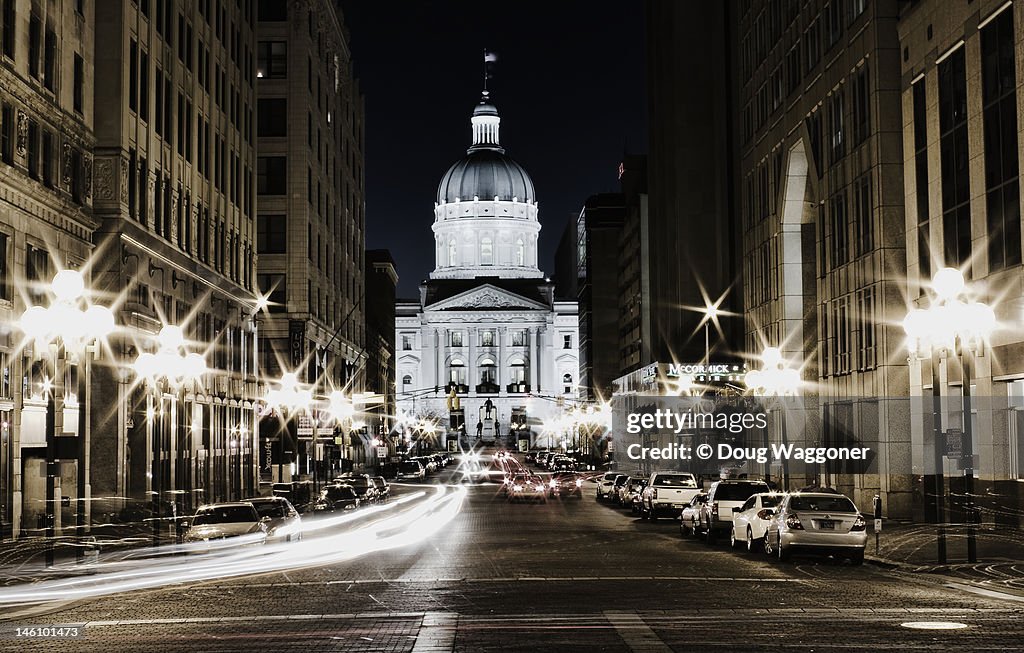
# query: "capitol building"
487,350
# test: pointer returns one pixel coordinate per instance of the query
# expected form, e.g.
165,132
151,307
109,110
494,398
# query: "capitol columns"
534,359
471,363
502,330
438,355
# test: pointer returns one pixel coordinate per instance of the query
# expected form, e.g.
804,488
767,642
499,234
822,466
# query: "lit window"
486,252
487,339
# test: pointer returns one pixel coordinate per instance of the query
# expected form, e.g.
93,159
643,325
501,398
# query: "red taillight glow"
793,523
859,524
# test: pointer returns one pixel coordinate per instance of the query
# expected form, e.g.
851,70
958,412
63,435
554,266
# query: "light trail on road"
404,521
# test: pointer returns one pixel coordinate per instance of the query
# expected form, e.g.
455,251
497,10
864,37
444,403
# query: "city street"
566,575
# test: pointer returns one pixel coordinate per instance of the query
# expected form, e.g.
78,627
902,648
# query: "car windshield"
410,468
822,504
610,476
770,501
357,482
336,492
272,509
669,480
738,491
225,515
622,480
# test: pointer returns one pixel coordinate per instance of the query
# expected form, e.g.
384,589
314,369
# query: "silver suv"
723,496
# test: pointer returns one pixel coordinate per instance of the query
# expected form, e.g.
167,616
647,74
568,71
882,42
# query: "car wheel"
684,530
769,550
857,558
783,552
653,514
750,540
733,542
693,526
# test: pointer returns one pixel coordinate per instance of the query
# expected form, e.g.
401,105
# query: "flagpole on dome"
489,59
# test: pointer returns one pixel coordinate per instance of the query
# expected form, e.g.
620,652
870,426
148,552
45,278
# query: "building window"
79,84
50,60
812,44
271,234
486,251
924,251
272,59
866,352
840,232
143,85
271,175
861,106
488,371
834,14
519,338
133,75
406,382
5,268
33,149
567,384
520,252
517,372
46,152
8,28
1002,188
35,37
272,117
487,338
272,11
457,372
406,343
953,151
863,215
837,141
274,288
567,341
455,338
7,134
37,273
452,253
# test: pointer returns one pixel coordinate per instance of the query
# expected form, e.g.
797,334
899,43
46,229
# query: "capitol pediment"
487,297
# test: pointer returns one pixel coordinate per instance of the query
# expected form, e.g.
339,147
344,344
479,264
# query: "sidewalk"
912,548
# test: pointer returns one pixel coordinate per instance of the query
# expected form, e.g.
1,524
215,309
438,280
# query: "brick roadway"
566,576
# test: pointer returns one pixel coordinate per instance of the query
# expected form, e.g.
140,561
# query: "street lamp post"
951,325
65,325
174,366
774,379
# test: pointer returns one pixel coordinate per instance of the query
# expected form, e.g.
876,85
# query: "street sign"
305,426
325,430
382,452
878,525
339,440
954,443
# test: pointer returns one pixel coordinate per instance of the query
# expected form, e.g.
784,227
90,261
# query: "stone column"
501,359
534,359
471,363
542,351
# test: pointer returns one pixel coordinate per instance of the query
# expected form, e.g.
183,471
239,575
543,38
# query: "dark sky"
569,85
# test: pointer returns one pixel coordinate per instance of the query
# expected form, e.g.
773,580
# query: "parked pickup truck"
667,493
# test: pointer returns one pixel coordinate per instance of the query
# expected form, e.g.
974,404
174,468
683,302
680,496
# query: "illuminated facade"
487,324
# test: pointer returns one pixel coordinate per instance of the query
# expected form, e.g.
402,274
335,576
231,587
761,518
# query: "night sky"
569,85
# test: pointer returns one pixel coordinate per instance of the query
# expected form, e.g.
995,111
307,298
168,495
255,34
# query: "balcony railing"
460,389
517,388
487,388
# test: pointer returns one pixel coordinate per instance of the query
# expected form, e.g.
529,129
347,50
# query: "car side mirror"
738,509
185,523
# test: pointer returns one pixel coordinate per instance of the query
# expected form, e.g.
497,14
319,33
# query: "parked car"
531,457
542,458
411,470
605,484
723,496
563,464
363,485
335,498
636,491
690,515
750,521
566,484
667,493
530,489
383,489
218,521
816,522
621,483
280,517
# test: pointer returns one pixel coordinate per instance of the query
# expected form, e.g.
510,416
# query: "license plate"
827,524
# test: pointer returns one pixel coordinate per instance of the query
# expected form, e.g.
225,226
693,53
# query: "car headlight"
553,484
517,488
579,482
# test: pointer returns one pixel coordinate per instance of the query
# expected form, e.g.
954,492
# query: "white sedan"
750,521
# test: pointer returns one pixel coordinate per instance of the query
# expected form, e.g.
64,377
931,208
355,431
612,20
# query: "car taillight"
714,509
553,483
859,524
793,523
654,494
765,514
517,488
579,482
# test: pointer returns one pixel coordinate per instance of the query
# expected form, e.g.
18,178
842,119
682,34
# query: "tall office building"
960,85
174,193
598,229
311,218
46,224
820,197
